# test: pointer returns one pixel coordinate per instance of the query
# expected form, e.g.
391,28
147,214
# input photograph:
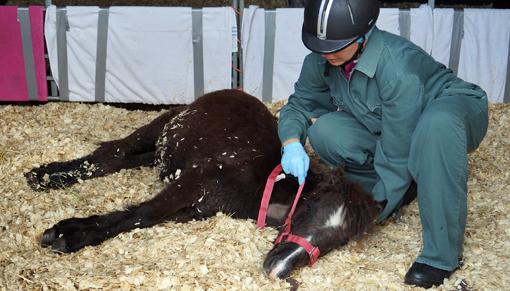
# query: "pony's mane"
360,209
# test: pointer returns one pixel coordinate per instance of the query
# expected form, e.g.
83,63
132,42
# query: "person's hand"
295,161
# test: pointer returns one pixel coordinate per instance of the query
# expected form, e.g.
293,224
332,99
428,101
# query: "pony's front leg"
135,150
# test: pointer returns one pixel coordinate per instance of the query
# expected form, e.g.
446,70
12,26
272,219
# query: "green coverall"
403,116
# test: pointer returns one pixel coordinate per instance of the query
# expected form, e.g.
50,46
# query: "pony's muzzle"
276,268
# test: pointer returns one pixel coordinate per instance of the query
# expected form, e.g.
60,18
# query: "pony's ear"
380,205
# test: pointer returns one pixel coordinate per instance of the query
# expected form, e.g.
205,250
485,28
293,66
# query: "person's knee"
439,123
326,140
439,137
319,133
321,138
336,146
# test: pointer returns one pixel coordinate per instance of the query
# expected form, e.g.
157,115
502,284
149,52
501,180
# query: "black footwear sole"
420,283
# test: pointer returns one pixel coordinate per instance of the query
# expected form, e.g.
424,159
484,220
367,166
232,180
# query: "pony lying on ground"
216,155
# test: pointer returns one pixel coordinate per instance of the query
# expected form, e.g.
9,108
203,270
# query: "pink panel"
13,83
12,67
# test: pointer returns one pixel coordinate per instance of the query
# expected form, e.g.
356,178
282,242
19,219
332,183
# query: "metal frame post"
239,48
235,60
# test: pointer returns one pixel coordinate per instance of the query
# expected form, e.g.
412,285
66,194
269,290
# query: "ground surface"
220,253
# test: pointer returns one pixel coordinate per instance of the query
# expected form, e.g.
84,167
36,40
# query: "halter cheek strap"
312,251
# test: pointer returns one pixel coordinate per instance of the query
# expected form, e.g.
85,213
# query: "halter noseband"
312,251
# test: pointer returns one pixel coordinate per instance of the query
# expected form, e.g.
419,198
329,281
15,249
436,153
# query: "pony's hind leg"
73,234
135,150
174,203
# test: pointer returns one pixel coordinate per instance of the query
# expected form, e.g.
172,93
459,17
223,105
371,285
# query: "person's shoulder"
394,42
404,55
314,62
315,58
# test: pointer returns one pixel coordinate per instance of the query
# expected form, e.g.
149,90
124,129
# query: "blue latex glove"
295,161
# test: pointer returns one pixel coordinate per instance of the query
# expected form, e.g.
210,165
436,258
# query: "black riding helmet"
331,25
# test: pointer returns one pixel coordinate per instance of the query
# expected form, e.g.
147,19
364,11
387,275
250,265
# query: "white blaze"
336,219
281,265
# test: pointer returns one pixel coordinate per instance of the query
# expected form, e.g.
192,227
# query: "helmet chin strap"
355,56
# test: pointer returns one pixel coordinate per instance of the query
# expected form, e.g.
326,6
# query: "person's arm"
290,141
311,99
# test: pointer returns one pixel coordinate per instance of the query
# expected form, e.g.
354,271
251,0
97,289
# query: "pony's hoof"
34,180
49,236
59,246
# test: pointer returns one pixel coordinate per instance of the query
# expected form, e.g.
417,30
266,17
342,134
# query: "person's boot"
426,276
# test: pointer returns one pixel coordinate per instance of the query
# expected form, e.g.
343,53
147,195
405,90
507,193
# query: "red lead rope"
261,221
312,251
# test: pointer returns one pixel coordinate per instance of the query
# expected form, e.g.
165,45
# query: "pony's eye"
339,242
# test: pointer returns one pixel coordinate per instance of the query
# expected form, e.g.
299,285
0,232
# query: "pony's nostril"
275,267
269,264
284,273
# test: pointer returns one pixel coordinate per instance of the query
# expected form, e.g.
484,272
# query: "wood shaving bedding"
220,253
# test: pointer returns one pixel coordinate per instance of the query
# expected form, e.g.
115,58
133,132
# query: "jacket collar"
369,59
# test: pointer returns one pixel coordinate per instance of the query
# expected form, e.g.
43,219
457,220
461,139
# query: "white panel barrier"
155,55
484,51
219,32
149,53
442,34
482,59
253,29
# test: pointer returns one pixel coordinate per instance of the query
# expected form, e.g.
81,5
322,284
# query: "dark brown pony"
215,155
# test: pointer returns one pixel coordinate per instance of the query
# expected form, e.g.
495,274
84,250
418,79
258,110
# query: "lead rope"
261,221
312,251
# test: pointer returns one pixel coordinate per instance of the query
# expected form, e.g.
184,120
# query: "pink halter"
312,251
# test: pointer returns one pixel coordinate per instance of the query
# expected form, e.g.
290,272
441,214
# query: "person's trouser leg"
339,137
447,131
